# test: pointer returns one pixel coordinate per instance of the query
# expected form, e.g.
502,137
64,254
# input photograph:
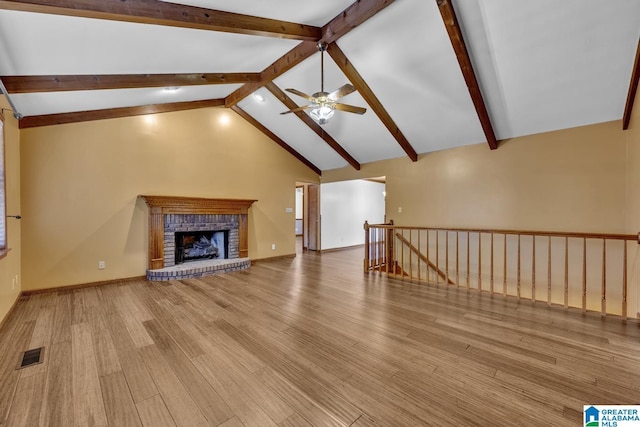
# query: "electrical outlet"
273,246
101,265
399,209
13,283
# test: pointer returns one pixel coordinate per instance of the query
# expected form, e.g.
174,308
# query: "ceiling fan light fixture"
322,113
323,104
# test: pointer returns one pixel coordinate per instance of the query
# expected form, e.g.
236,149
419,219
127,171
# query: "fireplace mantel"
159,206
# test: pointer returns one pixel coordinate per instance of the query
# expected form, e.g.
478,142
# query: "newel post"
366,247
389,248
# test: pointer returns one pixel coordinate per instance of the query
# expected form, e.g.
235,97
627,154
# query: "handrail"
609,236
422,253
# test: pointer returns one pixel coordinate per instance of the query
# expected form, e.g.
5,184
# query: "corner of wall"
10,265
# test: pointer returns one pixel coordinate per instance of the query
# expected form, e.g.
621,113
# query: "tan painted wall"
633,194
10,265
569,180
633,171
80,184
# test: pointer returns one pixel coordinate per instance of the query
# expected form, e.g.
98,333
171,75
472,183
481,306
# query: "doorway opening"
307,228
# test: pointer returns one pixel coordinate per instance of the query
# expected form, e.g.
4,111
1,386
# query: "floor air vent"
31,357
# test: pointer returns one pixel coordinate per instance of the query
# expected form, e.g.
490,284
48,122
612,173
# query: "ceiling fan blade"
350,108
301,94
304,107
341,91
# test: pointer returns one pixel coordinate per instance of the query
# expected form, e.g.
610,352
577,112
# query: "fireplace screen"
197,245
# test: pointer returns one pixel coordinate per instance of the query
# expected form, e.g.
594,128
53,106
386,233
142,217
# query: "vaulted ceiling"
433,74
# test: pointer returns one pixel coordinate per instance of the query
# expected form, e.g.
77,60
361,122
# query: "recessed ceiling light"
259,97
224,119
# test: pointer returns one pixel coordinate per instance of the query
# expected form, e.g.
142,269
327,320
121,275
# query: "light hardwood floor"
309,341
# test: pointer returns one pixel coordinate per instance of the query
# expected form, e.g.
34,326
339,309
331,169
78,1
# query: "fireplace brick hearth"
169,215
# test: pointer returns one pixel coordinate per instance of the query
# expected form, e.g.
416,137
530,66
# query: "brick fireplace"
171,216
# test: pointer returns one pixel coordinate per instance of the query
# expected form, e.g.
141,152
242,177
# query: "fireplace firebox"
197,245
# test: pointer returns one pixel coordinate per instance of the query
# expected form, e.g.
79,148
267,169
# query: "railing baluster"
379,251
393,250
419,261
373,233
584,275
402,257
504,266
457,258
603,302
375,258
518,278
446,258
566,272
410,256
367,242
437,257
549,272
468,252
491,279
372,250
383,249
533,270
388,249
480,262
624,280
428,259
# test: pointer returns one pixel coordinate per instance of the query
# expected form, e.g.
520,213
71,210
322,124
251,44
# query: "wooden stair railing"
589,271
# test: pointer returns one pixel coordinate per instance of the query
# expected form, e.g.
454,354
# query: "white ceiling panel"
405,56
33,43
546,65
32,104
292,130
309,13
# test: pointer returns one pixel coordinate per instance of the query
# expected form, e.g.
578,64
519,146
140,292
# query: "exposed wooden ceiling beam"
633,87
455,35
283,64
284,98
346,21
170,14
365,91
112,113
59,83
275,138
351,17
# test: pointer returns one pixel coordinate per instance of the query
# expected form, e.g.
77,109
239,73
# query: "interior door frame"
311,200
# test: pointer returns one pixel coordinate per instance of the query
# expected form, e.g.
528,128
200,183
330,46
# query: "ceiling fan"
323,104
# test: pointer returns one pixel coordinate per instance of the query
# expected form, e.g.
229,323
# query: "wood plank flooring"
309,341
